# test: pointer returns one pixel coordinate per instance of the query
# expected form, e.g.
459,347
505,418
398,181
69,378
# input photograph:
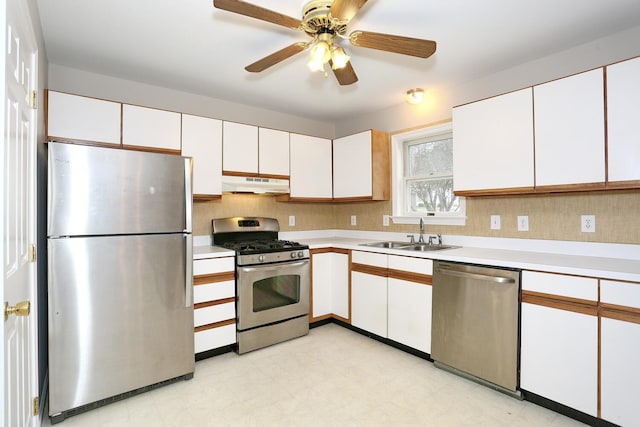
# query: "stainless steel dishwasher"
475,323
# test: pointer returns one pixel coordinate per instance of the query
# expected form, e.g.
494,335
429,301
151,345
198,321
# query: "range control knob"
261,258
300,254
292,255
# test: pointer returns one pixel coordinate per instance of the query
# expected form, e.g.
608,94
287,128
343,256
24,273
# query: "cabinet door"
310,167
620,352
273,149
352,176
239,148
78,118
409,310
623,126
202,140
340,285
150,128
495,135
369,303
321,277
559,339
569,130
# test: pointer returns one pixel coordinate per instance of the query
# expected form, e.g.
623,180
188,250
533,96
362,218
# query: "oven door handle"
275,267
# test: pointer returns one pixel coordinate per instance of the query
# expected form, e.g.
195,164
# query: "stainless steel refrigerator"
119,274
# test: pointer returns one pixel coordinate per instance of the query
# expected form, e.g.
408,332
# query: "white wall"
79,82
437,107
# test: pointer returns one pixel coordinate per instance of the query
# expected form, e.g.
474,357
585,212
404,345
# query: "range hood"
250,184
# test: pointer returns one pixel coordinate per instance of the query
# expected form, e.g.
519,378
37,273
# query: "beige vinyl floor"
332,377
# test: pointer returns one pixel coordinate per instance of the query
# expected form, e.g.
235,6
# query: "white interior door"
18,283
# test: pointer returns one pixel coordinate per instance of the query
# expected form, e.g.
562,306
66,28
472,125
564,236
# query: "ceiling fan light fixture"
315,65
321,52
339,58
415,96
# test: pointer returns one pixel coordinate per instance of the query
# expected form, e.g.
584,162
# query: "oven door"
272,293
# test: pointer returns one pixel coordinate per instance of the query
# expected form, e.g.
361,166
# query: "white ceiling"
190,46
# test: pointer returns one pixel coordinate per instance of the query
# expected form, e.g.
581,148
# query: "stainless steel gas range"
272,281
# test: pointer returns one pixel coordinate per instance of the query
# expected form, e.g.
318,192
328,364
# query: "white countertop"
610,261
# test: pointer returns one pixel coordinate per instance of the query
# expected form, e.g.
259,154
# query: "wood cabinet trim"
619,312
214,325
495,192
53,138
206,197
254,174
369,269
423,279
616,185
329,250
152,149
380,165
213,303
206,279
575,305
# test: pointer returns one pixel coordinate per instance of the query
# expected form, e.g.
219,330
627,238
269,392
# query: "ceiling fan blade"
276,57
345,75
345,10
257,12
396,44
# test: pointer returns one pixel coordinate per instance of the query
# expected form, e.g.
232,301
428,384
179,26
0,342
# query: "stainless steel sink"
408,246
388,245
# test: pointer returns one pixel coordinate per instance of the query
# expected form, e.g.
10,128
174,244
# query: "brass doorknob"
22,308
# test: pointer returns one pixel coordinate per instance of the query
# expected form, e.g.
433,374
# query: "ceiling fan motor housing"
316,19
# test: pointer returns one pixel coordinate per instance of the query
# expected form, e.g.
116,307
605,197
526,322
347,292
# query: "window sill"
434,220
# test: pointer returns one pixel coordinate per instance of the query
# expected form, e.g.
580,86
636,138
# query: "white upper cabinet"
239,148
310,167
202,140
569,130
623,126
352,166
78,118
493,143
150,128
273,152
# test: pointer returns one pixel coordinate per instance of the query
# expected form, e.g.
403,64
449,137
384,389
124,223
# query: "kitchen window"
423,177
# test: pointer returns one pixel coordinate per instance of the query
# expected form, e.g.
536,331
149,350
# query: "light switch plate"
523,223
588,223
385,220
353,220
292,220
495,222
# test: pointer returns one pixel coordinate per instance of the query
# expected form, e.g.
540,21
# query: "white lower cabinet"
329,284
559,339
214,295
620,352
409,302
369,292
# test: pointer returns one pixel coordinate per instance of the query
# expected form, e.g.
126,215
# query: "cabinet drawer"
585,288
620,293
214,313
369,258
213,265
214,338
414,265
214,291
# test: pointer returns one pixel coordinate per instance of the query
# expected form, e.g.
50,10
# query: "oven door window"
276,291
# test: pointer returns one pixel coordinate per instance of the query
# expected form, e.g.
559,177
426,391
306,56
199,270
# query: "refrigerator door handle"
188,262
188,176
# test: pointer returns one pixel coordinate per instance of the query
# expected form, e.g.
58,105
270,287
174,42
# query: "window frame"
398,162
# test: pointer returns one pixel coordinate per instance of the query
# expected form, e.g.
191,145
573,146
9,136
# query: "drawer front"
213,265
214,313
214,291
214,338
414,265
369,258
585,288
620,293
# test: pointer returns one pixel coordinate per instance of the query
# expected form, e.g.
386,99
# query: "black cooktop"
263,246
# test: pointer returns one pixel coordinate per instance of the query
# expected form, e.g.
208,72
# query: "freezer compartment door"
99,191
120,315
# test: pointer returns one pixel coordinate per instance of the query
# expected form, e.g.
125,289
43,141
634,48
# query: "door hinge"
34,99
36,405
32,253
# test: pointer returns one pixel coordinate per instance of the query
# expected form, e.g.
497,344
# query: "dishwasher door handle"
457,273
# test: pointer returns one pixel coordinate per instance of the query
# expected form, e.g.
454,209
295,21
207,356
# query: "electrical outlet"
523,223
353,220
588,223
495,222
385,220
292,220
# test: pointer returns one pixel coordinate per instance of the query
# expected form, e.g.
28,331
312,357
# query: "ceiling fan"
326,22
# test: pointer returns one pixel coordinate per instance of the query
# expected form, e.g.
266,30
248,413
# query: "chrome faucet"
421,238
